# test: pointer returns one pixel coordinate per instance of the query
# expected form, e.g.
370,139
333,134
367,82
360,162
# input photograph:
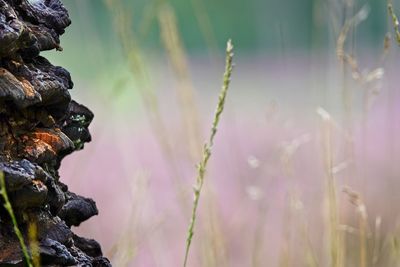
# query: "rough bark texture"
39,126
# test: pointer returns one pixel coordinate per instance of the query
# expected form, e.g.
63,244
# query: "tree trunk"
39,126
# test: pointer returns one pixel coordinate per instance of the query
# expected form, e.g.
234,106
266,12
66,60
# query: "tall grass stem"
9,209
202,166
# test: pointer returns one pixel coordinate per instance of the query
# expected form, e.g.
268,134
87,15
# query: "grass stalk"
214,244
259,238
202,166
177,56
34,244
376,254
185,90
361,209
395,21
205,25
8,207
140,72
333,220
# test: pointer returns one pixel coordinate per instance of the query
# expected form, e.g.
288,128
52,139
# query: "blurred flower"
340,167
296,203
291,147
323,114
253,162
254,192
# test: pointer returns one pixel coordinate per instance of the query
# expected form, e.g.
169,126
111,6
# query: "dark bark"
39,126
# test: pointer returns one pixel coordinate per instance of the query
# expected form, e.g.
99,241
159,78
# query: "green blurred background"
257,26
272,28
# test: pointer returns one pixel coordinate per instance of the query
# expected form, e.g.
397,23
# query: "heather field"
304,166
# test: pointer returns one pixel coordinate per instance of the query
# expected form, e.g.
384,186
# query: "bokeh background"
304,171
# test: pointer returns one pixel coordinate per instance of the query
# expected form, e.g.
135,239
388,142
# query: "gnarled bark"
39,126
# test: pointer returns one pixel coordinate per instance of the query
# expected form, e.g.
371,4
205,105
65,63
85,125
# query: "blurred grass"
123,49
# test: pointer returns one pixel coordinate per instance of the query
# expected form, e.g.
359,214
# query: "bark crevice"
39,126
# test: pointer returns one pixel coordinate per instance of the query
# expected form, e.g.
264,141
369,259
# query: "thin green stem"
202,166
395,22
8,207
